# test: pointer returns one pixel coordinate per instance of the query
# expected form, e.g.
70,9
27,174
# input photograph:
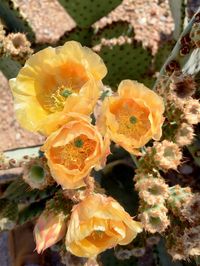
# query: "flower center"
78,143
74,154
132,118
56,101
97,234
98,238
65,93
54,89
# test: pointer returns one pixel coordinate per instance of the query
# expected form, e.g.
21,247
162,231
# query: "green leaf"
86,12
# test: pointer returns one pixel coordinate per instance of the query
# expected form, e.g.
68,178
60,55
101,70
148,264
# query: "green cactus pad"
20,191
114,30
14,20
8,209
149,81
86,12
78,34
9,67
31,211
128,61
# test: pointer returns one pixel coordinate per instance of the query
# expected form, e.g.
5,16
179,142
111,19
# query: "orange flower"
66,78
133,116
99,223
49,229
73,150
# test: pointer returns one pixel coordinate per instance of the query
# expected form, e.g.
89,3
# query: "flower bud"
49,229
185,135
167,155
152,190
192,111
154,219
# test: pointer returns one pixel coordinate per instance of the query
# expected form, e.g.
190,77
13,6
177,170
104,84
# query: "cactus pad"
8,209
31,211
9,67
81,35
87,12
114,30
130,61
14,20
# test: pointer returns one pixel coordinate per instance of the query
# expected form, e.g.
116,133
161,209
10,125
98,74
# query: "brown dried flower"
174,244
183,85
191,241
184,243
191,210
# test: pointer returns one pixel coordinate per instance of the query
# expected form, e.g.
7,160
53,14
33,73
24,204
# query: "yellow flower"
74,149
49,229
133,116
99,223
54,80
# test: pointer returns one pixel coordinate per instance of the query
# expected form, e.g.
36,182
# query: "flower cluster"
96,224
59,93
55,93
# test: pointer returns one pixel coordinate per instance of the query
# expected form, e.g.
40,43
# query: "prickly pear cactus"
165,211
14,21
129,59
87,12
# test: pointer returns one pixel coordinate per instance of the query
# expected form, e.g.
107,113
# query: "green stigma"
78,143
65,93
133,119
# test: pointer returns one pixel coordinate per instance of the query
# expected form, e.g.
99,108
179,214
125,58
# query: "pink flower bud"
49,229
